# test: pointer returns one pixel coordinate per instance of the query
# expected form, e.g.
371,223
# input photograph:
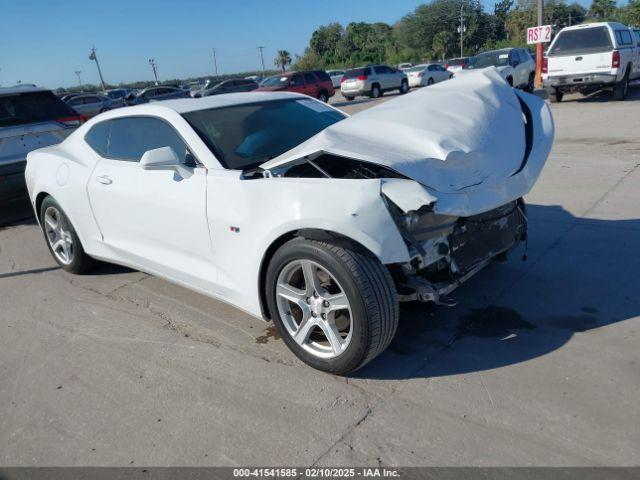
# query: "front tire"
404,87
62,239
335,306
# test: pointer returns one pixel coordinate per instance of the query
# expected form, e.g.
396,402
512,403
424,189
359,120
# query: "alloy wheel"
59,237
314,308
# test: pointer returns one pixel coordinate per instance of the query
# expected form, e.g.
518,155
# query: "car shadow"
574,282
604,96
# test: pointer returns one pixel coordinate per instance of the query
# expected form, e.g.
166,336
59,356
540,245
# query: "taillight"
446,66
343,79
545,65
75,121
615,59
362,77
421,74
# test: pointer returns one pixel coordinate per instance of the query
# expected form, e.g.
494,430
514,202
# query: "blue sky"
50,39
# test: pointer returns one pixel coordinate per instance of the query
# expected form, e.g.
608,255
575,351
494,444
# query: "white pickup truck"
591,57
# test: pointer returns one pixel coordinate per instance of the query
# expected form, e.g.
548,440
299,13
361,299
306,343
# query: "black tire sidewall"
358,346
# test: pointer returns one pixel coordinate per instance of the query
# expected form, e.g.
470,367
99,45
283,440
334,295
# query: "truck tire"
334,304
621,88
555,95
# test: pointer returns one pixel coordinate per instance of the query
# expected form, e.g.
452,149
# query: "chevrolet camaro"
296,212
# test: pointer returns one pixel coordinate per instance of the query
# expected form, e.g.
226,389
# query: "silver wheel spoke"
292,294
338,301
304,329
58,244
333,336
51,223
311,281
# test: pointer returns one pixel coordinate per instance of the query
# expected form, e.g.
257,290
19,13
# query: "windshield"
32,107
489,59
586,40
244,136
457,61
357,72
277,81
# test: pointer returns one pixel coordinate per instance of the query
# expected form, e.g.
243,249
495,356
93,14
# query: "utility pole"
94,57
538,82
262,58
215,62
78,72
154,67
569,18
461,28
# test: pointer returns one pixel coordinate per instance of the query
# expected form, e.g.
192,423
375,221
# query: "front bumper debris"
468,246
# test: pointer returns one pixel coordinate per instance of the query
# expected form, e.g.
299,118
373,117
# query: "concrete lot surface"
539,364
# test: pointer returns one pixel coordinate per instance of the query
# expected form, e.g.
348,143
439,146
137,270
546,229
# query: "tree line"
431,31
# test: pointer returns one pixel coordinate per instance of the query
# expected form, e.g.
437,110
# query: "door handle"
104,179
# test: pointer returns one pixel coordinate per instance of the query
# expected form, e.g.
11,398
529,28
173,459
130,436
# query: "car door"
92,105
382,76
155,219
310,84
296,83
441,73
516,64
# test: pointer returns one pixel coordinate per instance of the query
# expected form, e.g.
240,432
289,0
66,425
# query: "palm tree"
282,60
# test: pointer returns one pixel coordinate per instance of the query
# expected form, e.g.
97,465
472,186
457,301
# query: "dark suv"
316,84
30,118
157,93
228,86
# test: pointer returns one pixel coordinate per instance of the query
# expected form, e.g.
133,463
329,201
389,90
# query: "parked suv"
160,92
373,81
515,65
30,118
314,83
590,57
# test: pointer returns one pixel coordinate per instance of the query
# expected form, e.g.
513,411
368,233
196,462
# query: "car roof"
596,24
21,89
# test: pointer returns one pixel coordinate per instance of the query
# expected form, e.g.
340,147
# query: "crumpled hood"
451,136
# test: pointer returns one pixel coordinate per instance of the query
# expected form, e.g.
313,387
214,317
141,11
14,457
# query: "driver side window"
127,139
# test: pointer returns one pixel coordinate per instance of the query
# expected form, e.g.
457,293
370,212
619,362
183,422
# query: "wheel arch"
38,202
306,233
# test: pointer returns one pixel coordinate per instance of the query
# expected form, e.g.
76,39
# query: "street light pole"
154,67
94,57
78,72
262,58
215,62
539,53
461,28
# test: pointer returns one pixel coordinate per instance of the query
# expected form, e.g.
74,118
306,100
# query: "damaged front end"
446,250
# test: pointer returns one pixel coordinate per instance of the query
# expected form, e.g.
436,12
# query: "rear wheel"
349,99
334,306
375,91
621,88
404,87
430,81
555,95
323,96
62,240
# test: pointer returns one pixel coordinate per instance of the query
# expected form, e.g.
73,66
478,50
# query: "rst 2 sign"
539,34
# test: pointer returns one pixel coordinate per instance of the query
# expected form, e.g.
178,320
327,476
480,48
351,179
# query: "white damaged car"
295,212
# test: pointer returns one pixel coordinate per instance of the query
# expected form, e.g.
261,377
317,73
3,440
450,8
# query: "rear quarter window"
98,137
624,37
586,40
32,107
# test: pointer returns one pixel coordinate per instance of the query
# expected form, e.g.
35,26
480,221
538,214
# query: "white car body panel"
211,231
465,155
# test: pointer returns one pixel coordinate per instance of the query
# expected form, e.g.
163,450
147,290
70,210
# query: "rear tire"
621,88
555,95
372,305
349,99
430,82
375,91
323,96
62,239
404,87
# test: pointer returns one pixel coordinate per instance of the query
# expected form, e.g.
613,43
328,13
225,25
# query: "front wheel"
429,82
334,306
404,87
62,239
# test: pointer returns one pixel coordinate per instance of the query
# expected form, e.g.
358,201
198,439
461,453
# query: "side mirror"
164,158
